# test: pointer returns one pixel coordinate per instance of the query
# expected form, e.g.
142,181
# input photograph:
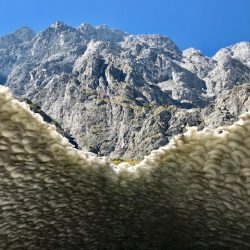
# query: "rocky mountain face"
21,36
124,95
37,109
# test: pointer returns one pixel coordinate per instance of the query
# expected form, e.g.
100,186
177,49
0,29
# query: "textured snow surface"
191,194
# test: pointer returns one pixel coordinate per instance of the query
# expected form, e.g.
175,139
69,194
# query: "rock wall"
115,92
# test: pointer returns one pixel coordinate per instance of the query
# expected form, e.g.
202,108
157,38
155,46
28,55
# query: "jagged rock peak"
102,26
25,33
84,26
20,31
190,52
21,35
156,38
24,29
239,51
57,24
151,41
196,62
101,32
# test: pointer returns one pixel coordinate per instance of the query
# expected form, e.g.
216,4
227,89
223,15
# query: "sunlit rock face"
191,194
119,95
20,36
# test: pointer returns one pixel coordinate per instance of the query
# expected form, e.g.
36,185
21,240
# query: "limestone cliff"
116,92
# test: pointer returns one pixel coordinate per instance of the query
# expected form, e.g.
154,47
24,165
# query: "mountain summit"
120,94
20,36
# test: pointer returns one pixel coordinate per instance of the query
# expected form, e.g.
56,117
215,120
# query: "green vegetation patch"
163,108
119,160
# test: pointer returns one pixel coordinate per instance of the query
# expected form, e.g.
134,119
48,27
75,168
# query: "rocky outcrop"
115,92
227,107
197,63
20,36
37,109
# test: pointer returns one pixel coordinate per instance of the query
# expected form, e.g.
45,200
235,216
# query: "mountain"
122,95
20,36
37,109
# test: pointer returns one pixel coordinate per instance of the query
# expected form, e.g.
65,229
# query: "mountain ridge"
115,92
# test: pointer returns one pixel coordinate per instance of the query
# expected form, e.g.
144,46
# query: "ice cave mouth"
193,193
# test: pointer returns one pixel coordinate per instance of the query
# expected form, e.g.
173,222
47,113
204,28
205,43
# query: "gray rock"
119,94
20,36
197,63
227,73
227,107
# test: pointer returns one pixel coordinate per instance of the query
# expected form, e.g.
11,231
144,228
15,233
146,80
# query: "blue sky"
204,24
